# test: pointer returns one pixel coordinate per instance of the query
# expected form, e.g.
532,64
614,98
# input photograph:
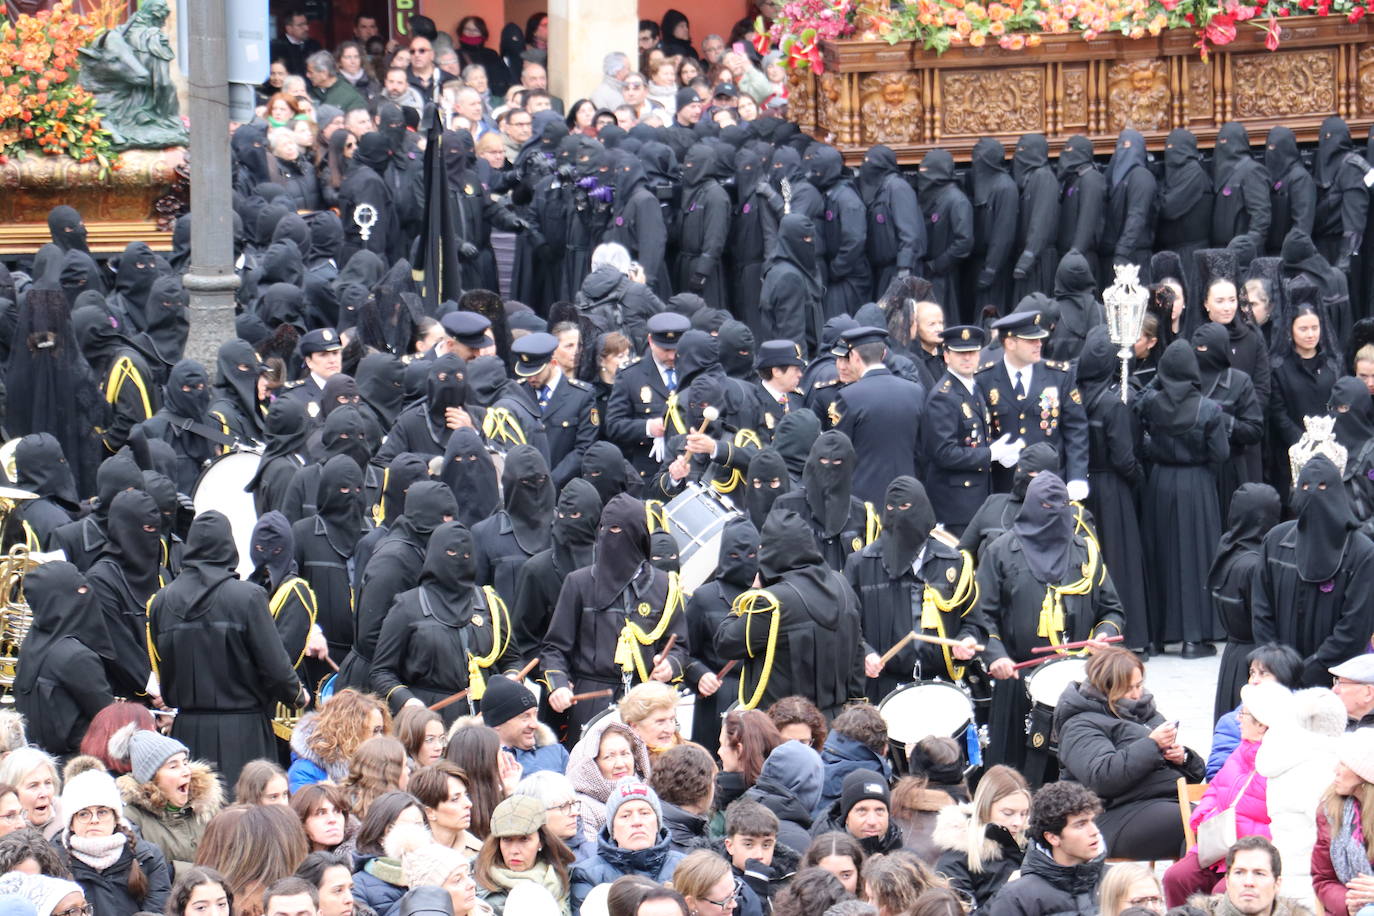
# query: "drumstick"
942,641
1032,663
1038,650
525,671
592,695
668,647
901,644
448,700
729,666
330,662
708,414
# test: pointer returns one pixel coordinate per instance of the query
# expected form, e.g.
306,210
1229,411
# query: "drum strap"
742,438
933,606
632,636
672,416
750,603
299,587
1051,625
653,514
873,524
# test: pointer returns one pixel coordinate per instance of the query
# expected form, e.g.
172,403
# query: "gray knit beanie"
149,750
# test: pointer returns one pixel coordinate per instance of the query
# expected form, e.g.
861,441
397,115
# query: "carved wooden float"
914,100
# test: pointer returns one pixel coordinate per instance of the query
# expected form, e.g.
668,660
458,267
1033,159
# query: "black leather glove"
697,283
1023,265
467,251
521,225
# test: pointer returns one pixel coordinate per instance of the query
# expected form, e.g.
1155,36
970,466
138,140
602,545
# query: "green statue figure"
128,69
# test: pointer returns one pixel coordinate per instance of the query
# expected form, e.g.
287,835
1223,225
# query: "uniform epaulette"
635,360
577,383
295,384
1055,364
987,365
826,384
945,385
944,536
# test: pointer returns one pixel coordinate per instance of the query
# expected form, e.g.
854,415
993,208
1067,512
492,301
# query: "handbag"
1217,834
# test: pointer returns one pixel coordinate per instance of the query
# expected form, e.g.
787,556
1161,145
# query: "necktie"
1020,386
545,393
671,375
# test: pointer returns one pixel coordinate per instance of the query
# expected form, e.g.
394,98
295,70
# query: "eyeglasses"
1146,901
87,815
81,909
432,740
729,902
568,807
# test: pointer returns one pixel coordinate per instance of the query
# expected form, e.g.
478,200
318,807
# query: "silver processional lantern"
1125,301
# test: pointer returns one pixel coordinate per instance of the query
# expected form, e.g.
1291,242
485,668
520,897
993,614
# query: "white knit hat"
1320,711
1356,750
423,861
93,788
44,892
1269,702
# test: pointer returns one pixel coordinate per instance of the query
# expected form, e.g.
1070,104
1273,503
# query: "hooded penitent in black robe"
996,215
391,569
184,422
766,479
1185,438
60,684
998,511
168,315
471,475
637,222
897,596
1342,202
1235,393
217,654
1128,231
287,432
896,228
522,528
949,230
1082,199
363,184
135,271
381,383
745,252
50,387
838,519
125,381
41,468
1254,510
83,540
844,227
125,576
344,433
1037,225
708,608
1292,192
1241,206
1039,552
1114,476
420,428
290,601
577,514
702,227
791,303
324,549
818,644
235,405
1310,589
619,601
1353,408
445,635
1185,216
1079,309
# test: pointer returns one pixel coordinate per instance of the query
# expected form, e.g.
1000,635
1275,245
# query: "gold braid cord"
932,606
632,635
500,639
758,601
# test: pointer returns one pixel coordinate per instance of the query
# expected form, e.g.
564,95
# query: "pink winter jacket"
1252,814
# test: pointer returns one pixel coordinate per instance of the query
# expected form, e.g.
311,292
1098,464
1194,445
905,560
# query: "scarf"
1348,854
99,852
542,873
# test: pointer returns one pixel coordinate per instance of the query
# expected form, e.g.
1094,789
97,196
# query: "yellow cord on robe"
653,515
672,416
873,524
932,605
500,425
31,539
477,685
1051,625
124,369
742,438
379,510
301,589
758,601
632,635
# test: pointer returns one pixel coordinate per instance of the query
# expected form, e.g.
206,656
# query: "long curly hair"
376,769
341,726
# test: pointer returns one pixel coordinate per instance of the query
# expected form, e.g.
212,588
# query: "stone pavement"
1185,689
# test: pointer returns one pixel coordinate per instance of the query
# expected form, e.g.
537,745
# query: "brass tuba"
15,615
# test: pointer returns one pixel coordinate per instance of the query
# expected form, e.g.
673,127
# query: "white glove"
1078,490
1000,449
1012,452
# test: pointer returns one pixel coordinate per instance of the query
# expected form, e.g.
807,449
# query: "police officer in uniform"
469,335
643,410
322,351
880,413
1035,400
779,364
566,405
958,450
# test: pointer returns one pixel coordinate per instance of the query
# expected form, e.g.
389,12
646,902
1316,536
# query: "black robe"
791,301
844,228
819,646
124,579
519,530
1233,390
1241,206
949,230
217,654
896,228
702,228
1037,225
1292,192
707,609
637,223
1254,510
744,253
1083,197
324,545
996,216
1128,232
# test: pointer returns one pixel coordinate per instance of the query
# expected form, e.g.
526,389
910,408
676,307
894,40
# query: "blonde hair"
698,873
1116,884
645,699
1332,802
1364,355
997,783
492,140
375,770
341,725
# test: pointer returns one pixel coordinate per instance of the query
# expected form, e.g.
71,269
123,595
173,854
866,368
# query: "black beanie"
504,700
861,785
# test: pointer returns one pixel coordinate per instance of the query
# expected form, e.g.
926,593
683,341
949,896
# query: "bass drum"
696,518
922,710
1045,684
221,488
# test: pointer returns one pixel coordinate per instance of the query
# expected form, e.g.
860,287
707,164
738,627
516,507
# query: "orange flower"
977,39
1033,40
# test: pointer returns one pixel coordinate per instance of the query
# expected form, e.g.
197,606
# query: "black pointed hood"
824,165
1232,148
989,160
345,433
908,519
578,515
605,468
470,473
287,433
793,439
1351,405
446,386
134,530
1129,154
1332,144
67,228
739,554
64,606
1179,378
187,393
622,548
41,468
879,162
1325,520
209,560
1255,509
663,552
936,170
449,575
766,480
1045,528
340,503
1185,182
1076,156
1212,345
381,382
829,479
1032,152
1280,153
529,497
788,545
273,550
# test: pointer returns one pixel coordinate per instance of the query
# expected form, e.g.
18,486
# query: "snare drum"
923,709
1045,684
697,517
221,488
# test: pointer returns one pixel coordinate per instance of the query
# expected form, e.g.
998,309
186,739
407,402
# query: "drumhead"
220,488
923,709
696,518
613,710
1047,682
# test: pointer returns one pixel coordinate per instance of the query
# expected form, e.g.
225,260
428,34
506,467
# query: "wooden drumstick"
668,647
330,662
709,415
1081,644
525,671
592,695
901,644
448,700
922,637
729,666
1032,662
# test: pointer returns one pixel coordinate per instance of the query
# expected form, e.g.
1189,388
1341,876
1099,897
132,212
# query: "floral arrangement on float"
937,25
43,108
